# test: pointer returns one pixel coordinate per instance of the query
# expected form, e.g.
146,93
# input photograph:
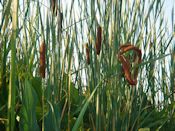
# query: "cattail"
53,6
61,19
42,59
87,54
98,40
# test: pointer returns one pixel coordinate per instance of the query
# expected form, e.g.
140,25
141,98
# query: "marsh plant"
86,65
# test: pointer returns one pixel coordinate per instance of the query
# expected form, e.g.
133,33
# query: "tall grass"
85,85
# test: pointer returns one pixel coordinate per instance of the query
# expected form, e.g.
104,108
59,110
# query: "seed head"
54,6
87,54
42,59
98,40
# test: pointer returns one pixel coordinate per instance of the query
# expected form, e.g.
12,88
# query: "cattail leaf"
28,119
126,63
83,110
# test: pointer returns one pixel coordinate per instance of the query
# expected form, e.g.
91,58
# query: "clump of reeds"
98,40
42,59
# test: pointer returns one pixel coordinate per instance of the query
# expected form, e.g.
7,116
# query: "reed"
12,84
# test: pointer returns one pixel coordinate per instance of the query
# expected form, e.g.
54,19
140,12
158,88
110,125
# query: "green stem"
12,90
43,90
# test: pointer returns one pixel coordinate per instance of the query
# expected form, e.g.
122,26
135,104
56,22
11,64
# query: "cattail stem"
42,74
43,103
12,87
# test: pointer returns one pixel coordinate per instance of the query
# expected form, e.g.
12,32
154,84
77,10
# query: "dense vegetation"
86,65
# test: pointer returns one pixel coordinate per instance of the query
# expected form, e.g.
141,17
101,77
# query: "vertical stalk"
12,90
43,90
42,74
42,64
69,54
97,110
69,101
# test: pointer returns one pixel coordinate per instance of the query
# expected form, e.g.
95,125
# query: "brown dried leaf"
126,64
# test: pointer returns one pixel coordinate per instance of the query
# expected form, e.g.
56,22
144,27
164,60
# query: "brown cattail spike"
61,19
87,54
54,6
98,40
42,59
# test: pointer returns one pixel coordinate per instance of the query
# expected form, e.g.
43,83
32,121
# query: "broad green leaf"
28,121
52,119
80,117
144,129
